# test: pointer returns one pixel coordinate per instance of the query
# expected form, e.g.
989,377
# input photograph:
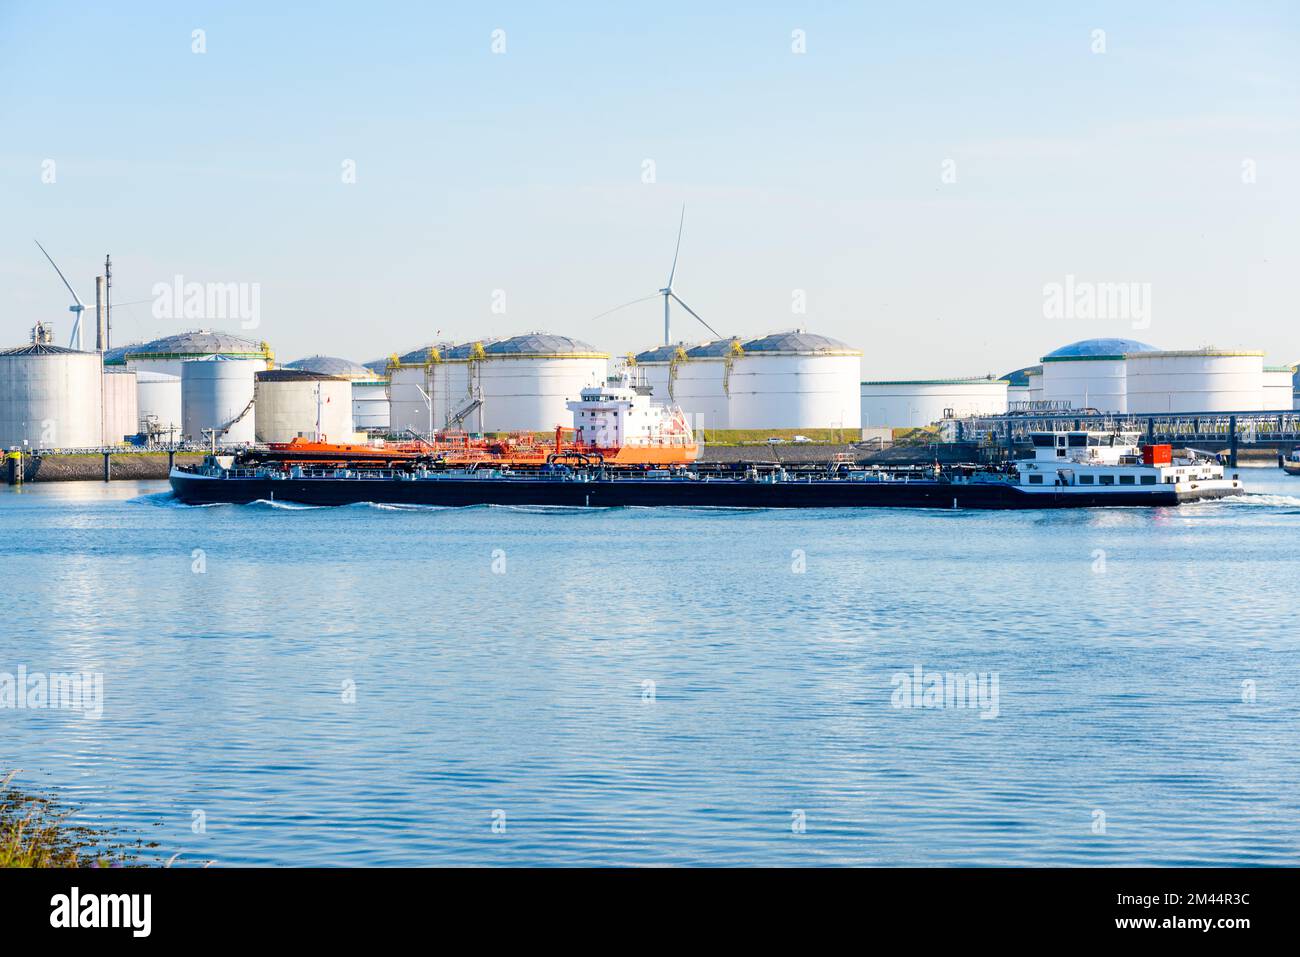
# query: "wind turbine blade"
625,305
75,297
678,247
715,332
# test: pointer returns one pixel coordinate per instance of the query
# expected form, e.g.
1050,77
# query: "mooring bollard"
171,460
106,469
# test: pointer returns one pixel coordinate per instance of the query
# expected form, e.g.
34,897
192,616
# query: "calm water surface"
501,660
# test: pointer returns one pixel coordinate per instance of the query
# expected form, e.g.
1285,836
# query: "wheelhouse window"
1127,480
1085,480
1035,480
1106,479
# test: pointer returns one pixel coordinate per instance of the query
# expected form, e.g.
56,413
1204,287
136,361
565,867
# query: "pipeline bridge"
1218,432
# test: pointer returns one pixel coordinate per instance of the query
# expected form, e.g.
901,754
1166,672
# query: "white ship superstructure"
1090,463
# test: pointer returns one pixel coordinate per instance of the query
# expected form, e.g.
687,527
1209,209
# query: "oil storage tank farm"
795,379
369,388
1091,374
50,398
1196,380
217,394
288,403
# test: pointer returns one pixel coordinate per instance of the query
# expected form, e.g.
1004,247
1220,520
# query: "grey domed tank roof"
466,349
331,366
662,353
1098,349
541,344
116,356
714,349
799,341
200,342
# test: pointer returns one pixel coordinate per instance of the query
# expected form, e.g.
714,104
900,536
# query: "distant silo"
121,405
50,398
795,380
1277,388
1091,373
288,403
921,402
1196,380
1018,385
525,382
217,393
169,353
369,389
1034,380
158,397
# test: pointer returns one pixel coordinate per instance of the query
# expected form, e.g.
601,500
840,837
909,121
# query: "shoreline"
35,832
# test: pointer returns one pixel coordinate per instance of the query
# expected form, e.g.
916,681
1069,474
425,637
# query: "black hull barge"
604,488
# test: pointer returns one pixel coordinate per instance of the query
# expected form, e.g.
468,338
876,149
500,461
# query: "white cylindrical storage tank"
1197,380
1277,388
169,353
50,398
158,399
656,367
370,405
121,405
369,390
699,381
1090,374
429,386
921,402
1018,386
217,393
526,382
288,403
795,380
1034,384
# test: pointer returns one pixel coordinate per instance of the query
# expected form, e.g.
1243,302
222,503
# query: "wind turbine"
78,307
667,293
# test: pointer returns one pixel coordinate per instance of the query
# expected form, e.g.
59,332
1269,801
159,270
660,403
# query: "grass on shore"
34,832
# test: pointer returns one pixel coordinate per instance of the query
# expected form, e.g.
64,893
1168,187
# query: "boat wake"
167,500
400,507
1264,499
284,506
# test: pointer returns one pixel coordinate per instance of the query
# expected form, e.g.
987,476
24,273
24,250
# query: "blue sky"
522,171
